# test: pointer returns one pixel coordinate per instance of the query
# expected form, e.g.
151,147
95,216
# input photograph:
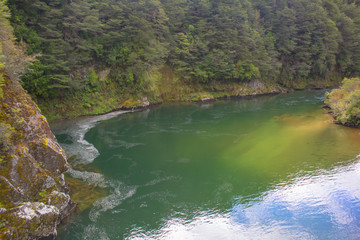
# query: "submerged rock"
33,194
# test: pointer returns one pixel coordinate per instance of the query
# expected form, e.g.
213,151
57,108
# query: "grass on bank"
107,99
161,86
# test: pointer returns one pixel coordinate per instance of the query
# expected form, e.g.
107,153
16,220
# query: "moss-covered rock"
132,103
33,193
30,220
206,97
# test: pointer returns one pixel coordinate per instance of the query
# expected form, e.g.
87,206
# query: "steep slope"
33,193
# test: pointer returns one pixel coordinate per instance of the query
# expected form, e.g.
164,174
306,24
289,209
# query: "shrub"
345,102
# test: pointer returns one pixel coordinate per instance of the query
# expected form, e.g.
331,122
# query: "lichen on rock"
132,103
33,195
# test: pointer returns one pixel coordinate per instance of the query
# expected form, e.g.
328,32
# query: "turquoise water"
272,167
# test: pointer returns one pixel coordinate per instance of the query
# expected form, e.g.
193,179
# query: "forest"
88,45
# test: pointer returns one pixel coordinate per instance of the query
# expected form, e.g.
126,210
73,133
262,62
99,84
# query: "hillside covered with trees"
87,47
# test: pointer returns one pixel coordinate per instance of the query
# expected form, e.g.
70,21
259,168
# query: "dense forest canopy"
202,41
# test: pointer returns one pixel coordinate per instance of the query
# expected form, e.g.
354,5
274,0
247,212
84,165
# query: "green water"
272,167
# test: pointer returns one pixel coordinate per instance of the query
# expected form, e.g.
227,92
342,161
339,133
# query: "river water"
271,167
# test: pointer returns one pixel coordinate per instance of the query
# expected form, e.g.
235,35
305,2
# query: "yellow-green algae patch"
287,139
84,194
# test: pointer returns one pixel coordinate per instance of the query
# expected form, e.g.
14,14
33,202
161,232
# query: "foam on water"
86,153
119,193
124,144
82,149
92,232
162,179
93,178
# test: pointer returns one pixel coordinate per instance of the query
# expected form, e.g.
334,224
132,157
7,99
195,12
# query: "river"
270,167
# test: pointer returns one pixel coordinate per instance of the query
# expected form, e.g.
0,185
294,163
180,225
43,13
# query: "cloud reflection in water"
326,206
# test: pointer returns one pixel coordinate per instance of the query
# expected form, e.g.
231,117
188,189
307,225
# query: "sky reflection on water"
325,206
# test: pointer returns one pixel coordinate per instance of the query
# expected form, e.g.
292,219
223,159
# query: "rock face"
33,193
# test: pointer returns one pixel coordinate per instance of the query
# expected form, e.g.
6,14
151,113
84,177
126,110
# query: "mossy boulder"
133,103
33,193
30,220
206,97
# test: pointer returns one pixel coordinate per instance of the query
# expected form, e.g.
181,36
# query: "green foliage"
246,71
286,41
36,81
345,102
42,194
92,80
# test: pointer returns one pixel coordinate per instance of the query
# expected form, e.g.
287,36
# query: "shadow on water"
273,167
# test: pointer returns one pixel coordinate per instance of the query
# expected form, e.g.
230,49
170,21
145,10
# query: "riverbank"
344,103
110,98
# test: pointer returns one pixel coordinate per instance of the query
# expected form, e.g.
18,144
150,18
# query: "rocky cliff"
33,194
